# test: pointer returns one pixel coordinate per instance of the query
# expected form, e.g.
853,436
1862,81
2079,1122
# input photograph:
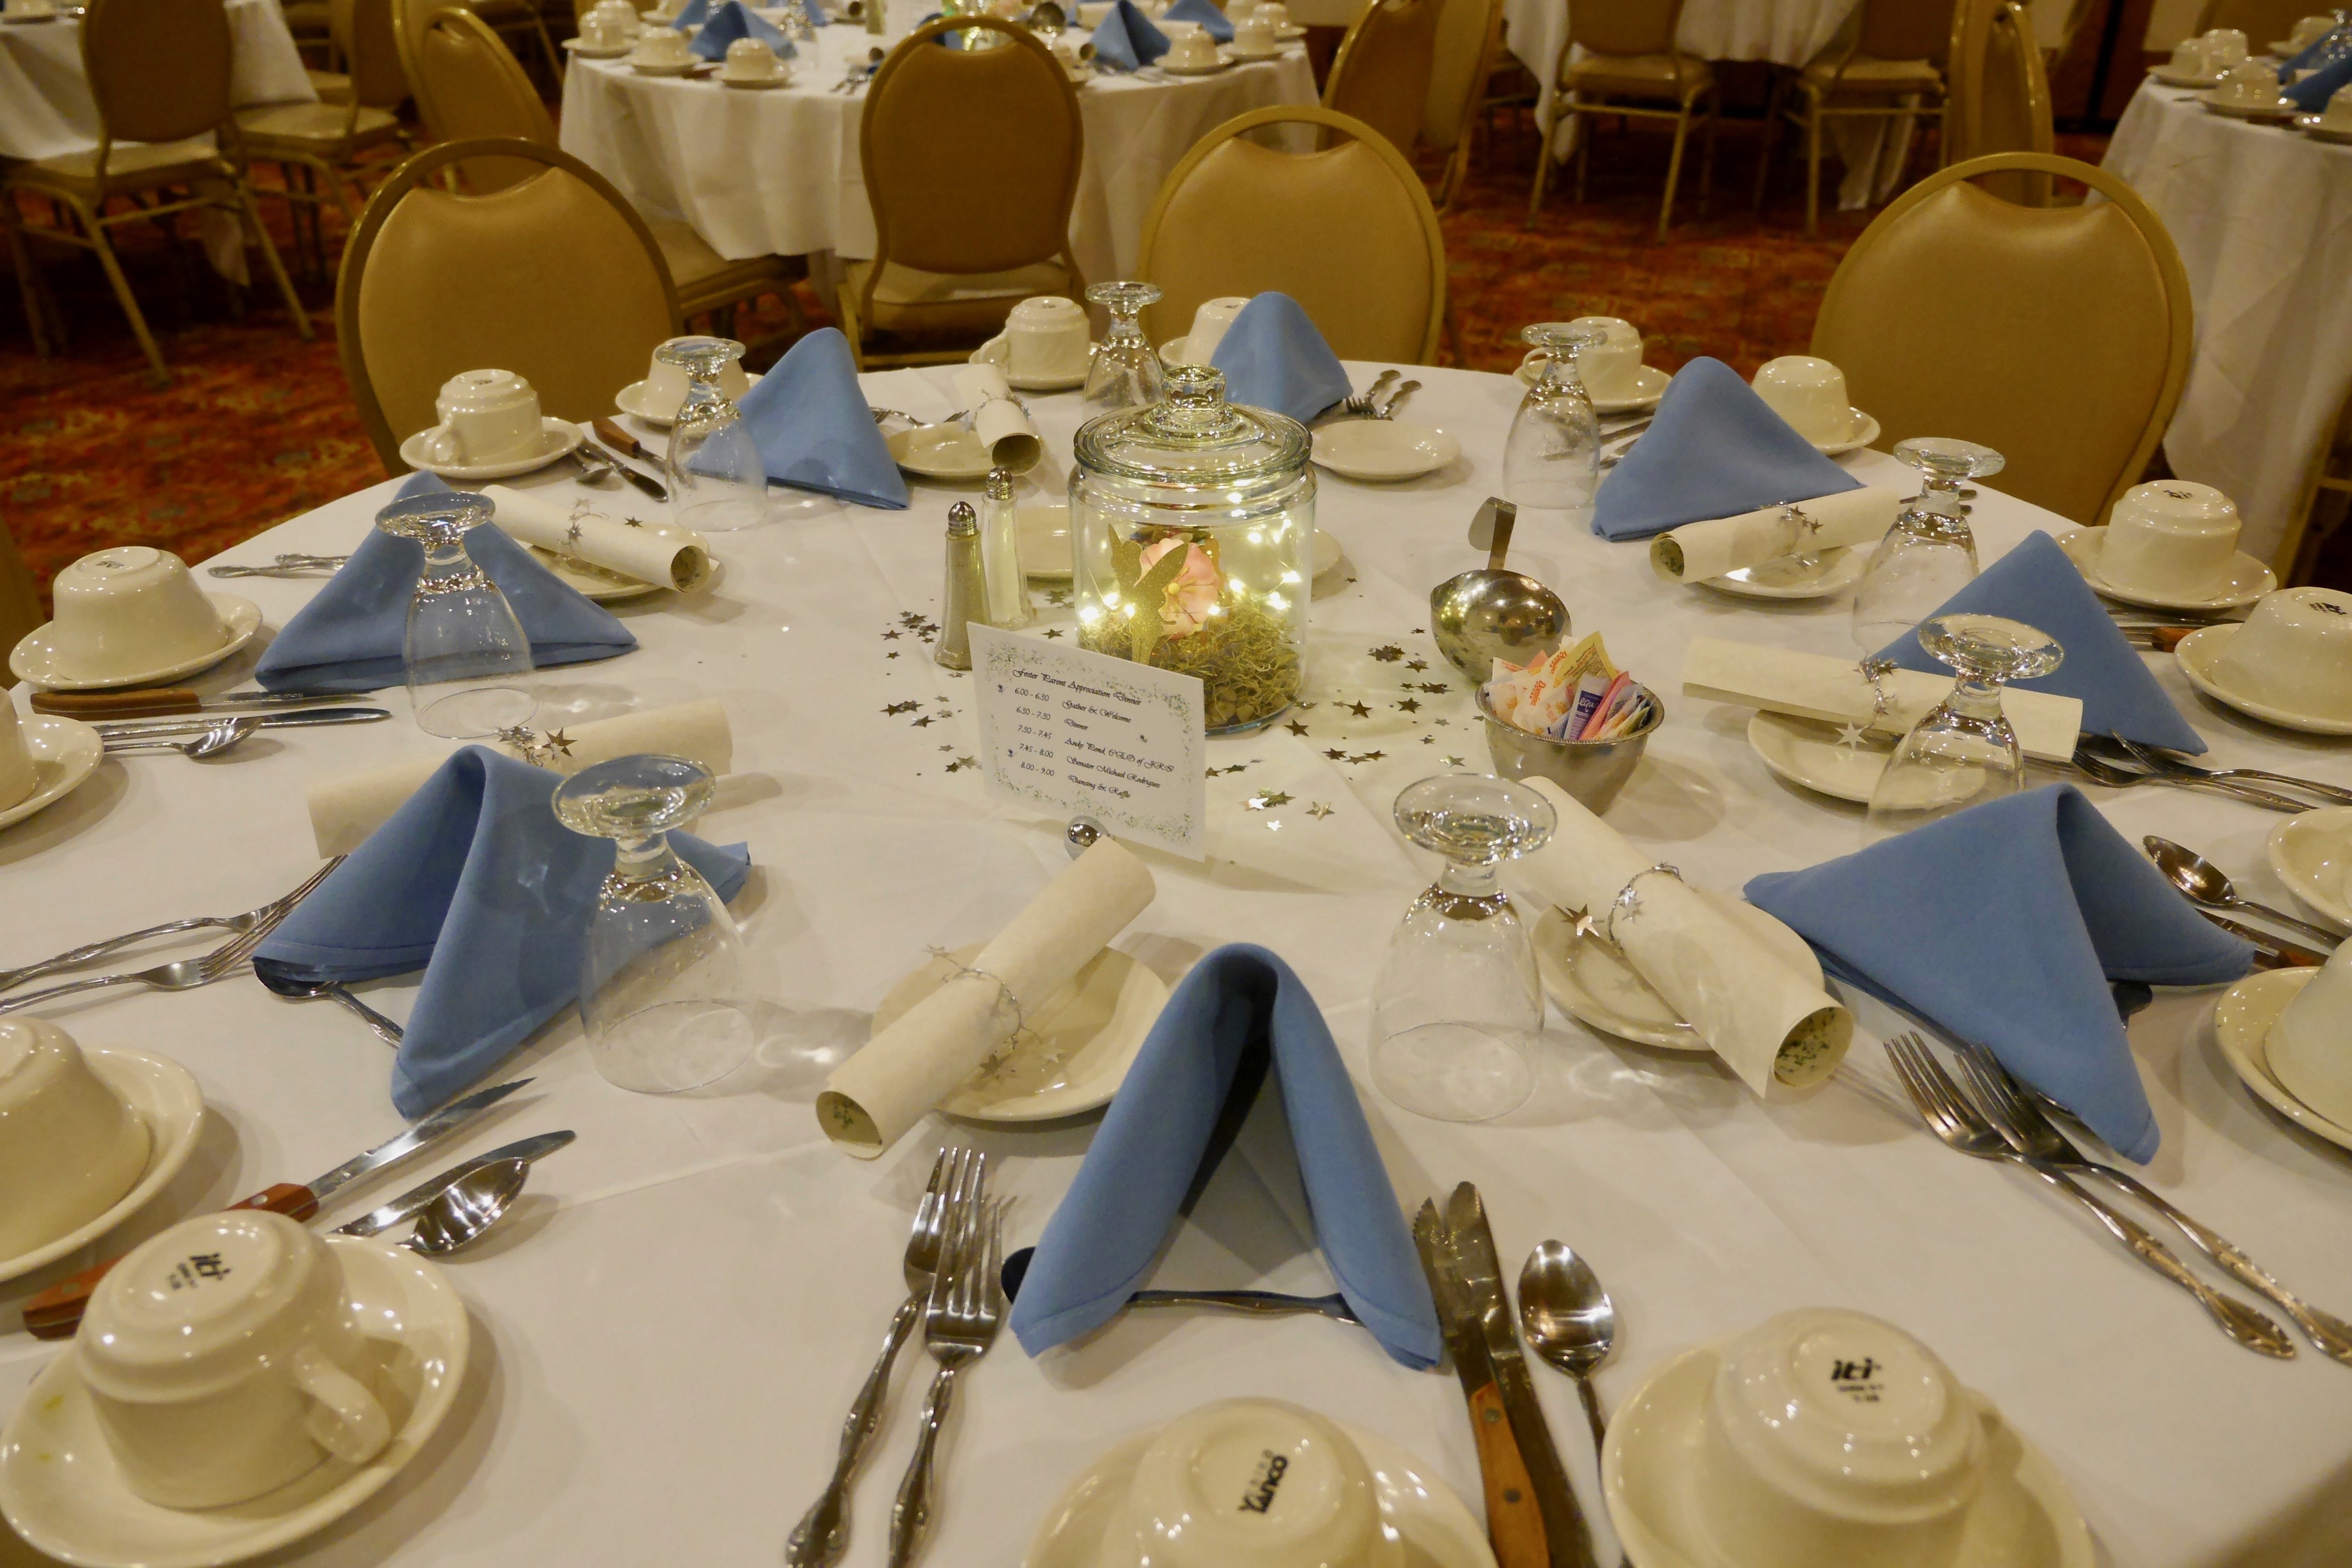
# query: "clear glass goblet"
1458,1000
717,480
1551,459
1963,753
661,984
466,655
1126,371
1930,554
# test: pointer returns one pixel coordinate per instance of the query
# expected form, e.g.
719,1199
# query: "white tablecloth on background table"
45,109
666,1337
2262,218
777,171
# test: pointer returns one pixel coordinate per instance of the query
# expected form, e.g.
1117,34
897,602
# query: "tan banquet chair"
972,168
1999,95
1347,231
1469,38
1622,59
328,140
555,277
1382,72
159,73
1890,67
2058,336
506,19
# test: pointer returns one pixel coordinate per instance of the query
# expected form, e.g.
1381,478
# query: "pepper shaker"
964,599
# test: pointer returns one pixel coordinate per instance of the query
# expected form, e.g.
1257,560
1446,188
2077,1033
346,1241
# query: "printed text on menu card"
1078,733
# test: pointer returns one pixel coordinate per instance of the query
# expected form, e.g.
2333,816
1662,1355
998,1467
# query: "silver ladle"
1482,615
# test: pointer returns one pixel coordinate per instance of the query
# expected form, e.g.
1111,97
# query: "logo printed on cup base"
1264,1482
194,1269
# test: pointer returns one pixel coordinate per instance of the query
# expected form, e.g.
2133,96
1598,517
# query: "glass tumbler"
1551,458
717,480
1125,370
661,985
466,659
1930,554
1459,1000
1963,753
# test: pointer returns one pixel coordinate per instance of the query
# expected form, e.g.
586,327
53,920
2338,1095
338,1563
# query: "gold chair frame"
1694,81
1454,135
1878,103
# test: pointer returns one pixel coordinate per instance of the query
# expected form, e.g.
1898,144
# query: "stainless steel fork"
75,956
966,1310
1359,406
1959,1124
2107,771
2163,762
2033,1134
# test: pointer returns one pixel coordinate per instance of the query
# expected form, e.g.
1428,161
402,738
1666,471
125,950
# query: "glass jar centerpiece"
1191,533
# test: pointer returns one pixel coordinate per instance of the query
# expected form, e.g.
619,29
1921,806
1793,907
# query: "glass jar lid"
1194,438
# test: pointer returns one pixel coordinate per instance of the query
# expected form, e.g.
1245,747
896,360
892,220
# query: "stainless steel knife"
143,701
1515,1521
197,724
410,1203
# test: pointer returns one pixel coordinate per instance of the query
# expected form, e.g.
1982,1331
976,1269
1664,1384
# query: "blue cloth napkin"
2036,583
475,882
814,429
816,14
2002,926
1204,11
1102,1242
2317,54
1127,38
2314,91
696,13
348,637
1714,449
1273,358
730,22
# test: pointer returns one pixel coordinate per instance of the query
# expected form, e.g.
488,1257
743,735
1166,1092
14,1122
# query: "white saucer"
1831,571
1045,533
588,52
1291,33
762,84
1438,1531
1242,57
2313,126
2242,1024
1096,1025
940,452
557,438
1860,433
2249,578
994,352
602,586
631,401
2024,1518
2199,655
64,752
1382,451
1592,981
60,1489
1807,755
33,660
2166,77
18,19
1222,65
161,1093
1649,385
2278,109
2311,853
643,69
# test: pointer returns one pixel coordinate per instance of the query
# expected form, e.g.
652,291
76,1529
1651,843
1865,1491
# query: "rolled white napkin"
659,552
1835,690
1000,423
1767,1022
346,809
1698,551
930,1053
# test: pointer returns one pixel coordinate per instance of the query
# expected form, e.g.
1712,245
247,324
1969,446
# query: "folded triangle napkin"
348,637
816,14
1102,1242
2313,91
1714,449
730,22
1272,357
1127,39
2036,583
2318,54
695,14
1211,21
2003,926
815,429
475,882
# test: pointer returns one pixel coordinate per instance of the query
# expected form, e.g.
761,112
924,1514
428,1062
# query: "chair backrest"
971,156
555,277
158,69
1468,34
1623,27
2003,98
1381,73
20,602
1348,231
2058,336
1905,29
2264,22
470,88
369,40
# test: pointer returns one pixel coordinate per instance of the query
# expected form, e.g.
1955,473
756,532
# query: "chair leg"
244,203
1812,166
1673,169
1547,126
1706,162
1583,134
21,255
121,286
1764,143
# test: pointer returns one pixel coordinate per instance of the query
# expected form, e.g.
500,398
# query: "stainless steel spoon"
211,742
456,1219
2206,883
1570,1320
385,1030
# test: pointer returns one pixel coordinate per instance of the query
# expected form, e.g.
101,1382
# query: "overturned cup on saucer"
1210,318
1612,368
1810,394
2309,1048
2172,538
486,417
2226,48
18,777
1252,1483
1045,339
750,60
609,25
2293,654
665,384
128,610
70,1147
1190,47
2248,84
2192,58
661,47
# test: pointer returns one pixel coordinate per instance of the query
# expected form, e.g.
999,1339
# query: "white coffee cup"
1612,367
125,611
1255,35
750,59
1252,1483
1210,322
69,1147
1045,339
2173,537
609,25
1273,13
1833,1438
1188,46
486,417
2338,115
662,45
18,778
2251,84
1810,394
2309,30
2226,46
223,1359
2310,1046
665,385
2293,653
2192,58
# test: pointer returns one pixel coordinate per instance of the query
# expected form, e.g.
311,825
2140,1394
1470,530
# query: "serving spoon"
2205,883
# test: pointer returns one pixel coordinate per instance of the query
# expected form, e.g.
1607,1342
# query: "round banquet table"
2262,214
45,109
776,171
669,1331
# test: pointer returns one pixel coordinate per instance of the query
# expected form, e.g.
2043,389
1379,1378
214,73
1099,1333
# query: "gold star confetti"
1851,736
1296,728
1053,631
925,722
1336,755
892,636
1429,740
898,708
1453,761
1409,705
1268,800
1416,664
571,538
633,522
1387,653
1318,809
1436,688
559,741
1358,708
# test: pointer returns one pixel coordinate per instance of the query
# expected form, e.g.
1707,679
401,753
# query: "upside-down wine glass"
1126,371
1930,554
717,480
1963,753
1551,459
466,655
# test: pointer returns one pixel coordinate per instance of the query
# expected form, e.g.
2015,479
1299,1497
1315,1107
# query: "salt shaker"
999,553
964,599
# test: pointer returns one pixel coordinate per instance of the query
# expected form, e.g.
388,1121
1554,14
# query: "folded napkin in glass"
1210,20
1274,357
1714,449
348,637
474,882
2036,583
2312,93
730,22
1127,39
815,429
1239,1017
2003,926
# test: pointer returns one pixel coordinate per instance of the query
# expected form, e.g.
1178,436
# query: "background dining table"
669,1329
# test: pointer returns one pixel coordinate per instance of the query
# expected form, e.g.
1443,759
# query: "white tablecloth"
46,108
777,171
667,1335
2262,217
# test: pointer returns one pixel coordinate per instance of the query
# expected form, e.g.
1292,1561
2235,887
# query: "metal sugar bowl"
1191,529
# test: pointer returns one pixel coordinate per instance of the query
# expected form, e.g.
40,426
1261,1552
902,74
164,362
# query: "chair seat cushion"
907,300
311,127
705,278
1639,76
332,87
1865,74
129,163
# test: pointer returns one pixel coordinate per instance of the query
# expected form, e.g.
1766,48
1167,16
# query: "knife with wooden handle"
628,445
1514,1525
146,702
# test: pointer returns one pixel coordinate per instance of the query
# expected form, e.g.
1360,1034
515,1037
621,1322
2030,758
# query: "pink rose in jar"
1191,598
